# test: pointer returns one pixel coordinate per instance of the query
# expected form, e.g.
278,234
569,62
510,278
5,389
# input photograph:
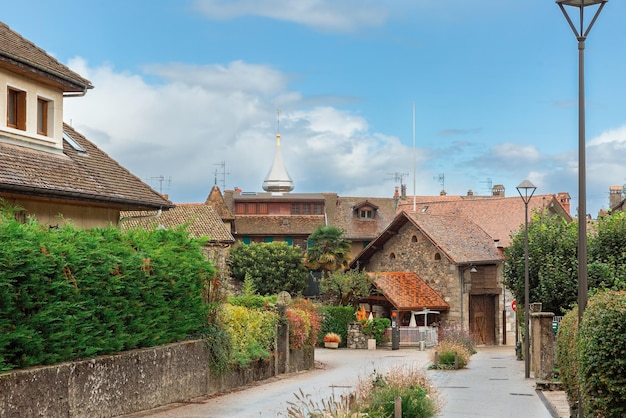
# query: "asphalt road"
336,372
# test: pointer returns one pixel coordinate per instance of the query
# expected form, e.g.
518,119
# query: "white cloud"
334,16
195,117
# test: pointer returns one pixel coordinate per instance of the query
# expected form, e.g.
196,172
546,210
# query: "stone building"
453,256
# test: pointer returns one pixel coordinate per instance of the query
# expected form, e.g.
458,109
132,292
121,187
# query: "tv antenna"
441,178
489,184
223,174
161,179
398,177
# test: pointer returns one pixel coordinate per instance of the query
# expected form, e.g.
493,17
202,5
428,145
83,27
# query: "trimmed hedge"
602,355
335,319
567,354
69,293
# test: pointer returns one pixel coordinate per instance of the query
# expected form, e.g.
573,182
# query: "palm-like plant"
329,251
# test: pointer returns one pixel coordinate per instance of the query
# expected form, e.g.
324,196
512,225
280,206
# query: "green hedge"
335,319
69,293
567,354
602,355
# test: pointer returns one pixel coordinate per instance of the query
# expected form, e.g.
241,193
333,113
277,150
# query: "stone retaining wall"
128,382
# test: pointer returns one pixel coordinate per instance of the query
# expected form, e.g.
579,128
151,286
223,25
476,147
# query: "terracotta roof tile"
498,216
216,200
201,220
18,52
408,292
345,217
460,239
90,176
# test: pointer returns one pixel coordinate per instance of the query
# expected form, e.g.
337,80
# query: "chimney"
615,196
564,199
470,192
395,193
498,190
403,191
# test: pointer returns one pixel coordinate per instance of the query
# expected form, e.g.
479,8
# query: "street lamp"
581,34
526,190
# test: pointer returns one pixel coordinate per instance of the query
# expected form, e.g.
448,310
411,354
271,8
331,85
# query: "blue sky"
181,86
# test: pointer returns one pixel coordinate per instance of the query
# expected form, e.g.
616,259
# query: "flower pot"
331,344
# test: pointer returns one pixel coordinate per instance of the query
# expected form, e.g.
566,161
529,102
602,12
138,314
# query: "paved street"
493,385
336,372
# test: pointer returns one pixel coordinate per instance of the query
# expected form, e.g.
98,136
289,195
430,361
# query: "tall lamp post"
526,190
581,35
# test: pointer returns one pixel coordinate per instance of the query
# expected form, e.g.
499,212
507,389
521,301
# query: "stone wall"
128,382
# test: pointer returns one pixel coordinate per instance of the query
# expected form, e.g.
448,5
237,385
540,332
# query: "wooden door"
483,319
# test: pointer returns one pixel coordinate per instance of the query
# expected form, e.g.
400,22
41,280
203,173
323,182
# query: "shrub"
251,331
446,352
453,333
566,354
376,328
335,319
312,318
377,395
374,397
602,360
299,328
69,293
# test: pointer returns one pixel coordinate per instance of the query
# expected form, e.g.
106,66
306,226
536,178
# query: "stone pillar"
543,345
356,338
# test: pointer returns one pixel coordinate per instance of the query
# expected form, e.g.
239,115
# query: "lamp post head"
580,3
526,190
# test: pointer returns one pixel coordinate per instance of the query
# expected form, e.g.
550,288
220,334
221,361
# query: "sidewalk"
493,385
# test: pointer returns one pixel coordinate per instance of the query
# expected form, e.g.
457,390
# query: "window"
366,214
307,208
16,109
42,116
414,238
392,256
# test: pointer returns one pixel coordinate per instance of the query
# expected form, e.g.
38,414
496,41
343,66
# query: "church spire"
278,180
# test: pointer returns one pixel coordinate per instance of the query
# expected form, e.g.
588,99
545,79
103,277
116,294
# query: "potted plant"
332,340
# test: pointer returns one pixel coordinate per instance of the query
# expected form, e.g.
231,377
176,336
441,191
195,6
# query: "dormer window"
16,109
366,214
365,210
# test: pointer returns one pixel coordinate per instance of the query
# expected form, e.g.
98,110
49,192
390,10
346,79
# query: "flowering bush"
332,337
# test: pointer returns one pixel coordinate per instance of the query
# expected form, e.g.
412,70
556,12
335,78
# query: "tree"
273,267
329,251
346,288
607,253
553,264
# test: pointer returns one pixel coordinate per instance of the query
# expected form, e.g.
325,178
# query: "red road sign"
514,304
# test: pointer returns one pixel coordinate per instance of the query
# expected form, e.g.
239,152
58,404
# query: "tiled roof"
201,220
25,57
460,239
90,176
498,216
408,292
278,225
216,200
345,217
